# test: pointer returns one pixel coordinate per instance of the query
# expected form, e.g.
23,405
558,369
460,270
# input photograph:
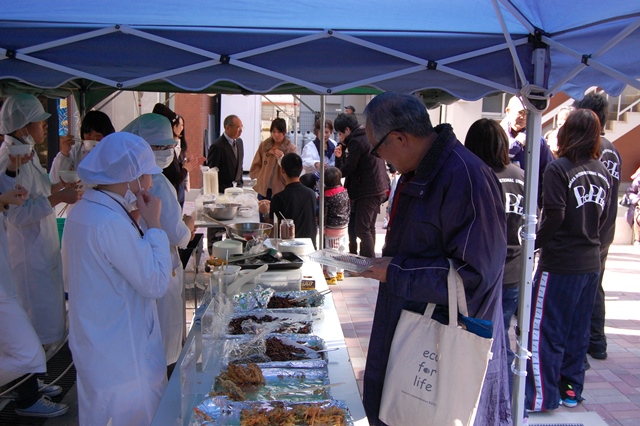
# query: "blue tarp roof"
254,46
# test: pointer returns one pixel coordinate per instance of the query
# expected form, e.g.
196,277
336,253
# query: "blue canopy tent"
468,48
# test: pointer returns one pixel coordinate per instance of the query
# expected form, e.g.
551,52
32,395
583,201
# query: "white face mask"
131,201
28,139
163,158
88,145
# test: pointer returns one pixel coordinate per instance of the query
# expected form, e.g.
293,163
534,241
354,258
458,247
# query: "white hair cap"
154,128
20,110
119,157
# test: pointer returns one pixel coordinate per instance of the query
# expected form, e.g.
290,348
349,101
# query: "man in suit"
226,153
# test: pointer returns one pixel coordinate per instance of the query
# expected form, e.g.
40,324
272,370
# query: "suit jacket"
221,155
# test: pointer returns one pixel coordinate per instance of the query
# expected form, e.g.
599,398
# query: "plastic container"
285,280
287,229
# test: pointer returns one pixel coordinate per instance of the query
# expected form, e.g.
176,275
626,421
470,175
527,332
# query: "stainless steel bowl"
222,211
249,230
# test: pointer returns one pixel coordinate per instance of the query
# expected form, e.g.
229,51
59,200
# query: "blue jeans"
509,306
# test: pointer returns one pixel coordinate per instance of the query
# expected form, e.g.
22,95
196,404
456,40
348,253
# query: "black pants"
27,393
597,338
362,224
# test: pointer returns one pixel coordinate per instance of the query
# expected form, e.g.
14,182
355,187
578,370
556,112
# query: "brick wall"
195,110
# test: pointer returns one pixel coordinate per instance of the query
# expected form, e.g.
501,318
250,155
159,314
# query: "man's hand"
14,196
264,206
378,270
190,222
18,160
149,207
192,163
338,151
66,142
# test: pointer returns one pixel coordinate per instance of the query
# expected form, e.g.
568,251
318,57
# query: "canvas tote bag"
435,371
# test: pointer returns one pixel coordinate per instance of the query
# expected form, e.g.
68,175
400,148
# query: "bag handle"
454,287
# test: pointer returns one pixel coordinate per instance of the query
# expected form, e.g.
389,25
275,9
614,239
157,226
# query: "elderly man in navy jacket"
448,205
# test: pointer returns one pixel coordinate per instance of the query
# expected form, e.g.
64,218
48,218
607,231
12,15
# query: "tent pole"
528,234
321,183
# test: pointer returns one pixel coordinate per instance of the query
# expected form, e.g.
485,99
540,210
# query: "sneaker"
44,407
332,281
48,390
340,276
567,395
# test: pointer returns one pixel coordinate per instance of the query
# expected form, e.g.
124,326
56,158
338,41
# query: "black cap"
351,108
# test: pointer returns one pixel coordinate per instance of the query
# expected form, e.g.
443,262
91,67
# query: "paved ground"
612,388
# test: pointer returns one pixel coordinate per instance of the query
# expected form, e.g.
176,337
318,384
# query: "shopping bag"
435,371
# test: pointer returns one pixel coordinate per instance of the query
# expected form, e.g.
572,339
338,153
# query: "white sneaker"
44,407
48,390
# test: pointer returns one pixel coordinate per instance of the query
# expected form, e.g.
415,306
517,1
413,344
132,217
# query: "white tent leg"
321,182
534,127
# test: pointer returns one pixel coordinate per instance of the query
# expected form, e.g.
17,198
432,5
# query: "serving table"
327,327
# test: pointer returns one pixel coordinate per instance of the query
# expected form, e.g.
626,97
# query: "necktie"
235,148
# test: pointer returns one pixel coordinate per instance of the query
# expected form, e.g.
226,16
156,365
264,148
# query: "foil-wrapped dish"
224,412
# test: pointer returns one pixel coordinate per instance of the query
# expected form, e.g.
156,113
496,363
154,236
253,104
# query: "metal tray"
293,385
221,411
286,320
288,261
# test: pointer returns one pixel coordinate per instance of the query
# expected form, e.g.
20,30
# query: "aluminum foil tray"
221,411
259,298
347,261
283,322
293,385
246,349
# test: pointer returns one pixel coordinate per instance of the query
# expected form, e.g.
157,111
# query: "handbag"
435,371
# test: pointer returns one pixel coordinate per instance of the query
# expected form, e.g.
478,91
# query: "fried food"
300,414
214,261
235,378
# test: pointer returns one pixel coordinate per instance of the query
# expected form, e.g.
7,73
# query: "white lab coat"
310,157
114,278
34,248
171,305
20,349
71,162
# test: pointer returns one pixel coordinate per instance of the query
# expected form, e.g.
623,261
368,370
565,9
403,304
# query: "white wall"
249,109
461,115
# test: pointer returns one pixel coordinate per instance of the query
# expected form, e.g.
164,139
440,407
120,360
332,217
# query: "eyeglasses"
374,151
162,147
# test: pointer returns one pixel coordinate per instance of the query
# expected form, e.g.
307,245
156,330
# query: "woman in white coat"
20,350
156,130
32,231
115,273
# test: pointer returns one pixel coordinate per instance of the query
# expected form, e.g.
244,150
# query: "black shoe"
586,364
596,354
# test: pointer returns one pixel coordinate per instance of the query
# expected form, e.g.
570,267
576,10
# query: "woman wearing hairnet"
20,350
115,272
32,231
156,130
